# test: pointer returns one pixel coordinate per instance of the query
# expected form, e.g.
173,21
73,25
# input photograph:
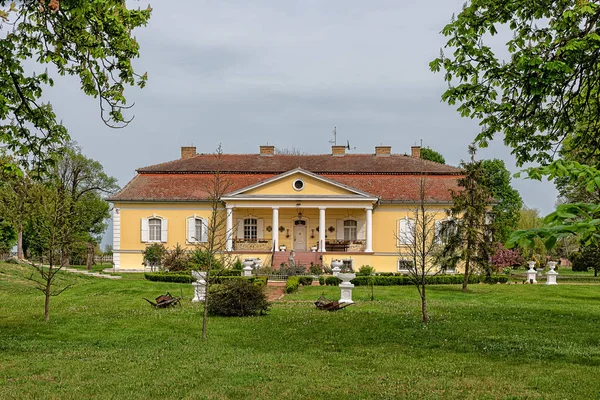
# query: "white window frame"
348,229
404,234
405,259
191,229
248,228
145,231
155,229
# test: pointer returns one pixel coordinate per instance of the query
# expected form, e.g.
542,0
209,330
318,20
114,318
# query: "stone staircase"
301,257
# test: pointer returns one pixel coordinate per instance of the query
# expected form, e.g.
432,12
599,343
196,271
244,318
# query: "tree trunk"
90,256
205,314
424,306
47,303
466,280
20,241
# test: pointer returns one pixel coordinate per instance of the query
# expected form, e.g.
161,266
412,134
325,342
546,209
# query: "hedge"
292,283
305,280
379,280
185,278
168,277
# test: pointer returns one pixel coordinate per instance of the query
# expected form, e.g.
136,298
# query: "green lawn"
105,342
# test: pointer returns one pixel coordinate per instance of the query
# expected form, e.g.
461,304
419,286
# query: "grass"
494,342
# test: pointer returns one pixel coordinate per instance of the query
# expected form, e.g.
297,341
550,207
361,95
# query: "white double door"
299,235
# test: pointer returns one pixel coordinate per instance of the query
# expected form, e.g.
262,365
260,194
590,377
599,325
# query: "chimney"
267,150
338,151
383,151
415,151
187,152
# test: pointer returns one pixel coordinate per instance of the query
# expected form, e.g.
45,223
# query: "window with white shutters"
250,229
350,228
154,229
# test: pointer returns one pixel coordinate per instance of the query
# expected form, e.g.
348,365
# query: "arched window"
250,229
350,228
154,229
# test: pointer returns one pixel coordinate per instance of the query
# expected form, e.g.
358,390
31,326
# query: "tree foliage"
432,155
90,39
543,95
505,212
467,233
544,90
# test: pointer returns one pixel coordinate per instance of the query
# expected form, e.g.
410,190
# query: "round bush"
237,298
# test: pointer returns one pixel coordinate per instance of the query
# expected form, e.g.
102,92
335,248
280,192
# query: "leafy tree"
505,212
467,233
543,94
587,257
545,90
8,236
89,39
432,155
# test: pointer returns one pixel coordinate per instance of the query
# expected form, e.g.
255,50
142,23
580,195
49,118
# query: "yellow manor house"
350,207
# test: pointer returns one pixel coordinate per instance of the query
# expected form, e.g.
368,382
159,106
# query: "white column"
322,229
116,238
228,229
275,228
369,244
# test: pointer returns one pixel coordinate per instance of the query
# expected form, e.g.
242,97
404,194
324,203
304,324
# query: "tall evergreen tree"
467,233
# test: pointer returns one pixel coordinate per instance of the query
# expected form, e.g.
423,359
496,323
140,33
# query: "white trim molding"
116,238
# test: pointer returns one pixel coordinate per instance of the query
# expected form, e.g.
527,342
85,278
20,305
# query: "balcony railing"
257,244
345,245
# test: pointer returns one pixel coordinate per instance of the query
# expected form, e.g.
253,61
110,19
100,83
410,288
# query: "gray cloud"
246,73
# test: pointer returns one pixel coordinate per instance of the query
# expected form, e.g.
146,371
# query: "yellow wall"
312,186
385,220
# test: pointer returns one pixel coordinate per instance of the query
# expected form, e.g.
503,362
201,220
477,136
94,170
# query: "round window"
298,184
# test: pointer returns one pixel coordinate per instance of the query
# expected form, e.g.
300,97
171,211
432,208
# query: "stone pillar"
247,271
275,228
531,272
199,286
322,229
551,275
369,241
229,229
346,287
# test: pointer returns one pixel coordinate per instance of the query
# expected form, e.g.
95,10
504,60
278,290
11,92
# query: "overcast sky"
245,73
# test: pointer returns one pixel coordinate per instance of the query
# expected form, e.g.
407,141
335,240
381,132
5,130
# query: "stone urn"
199,286
248,262
336,263
551,274
257,263
313,249
282,247
531,272
346,287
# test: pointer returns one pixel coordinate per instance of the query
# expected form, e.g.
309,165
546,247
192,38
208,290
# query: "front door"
299,235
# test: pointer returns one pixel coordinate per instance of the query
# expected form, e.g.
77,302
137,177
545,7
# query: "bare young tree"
52,224
421,240
216,257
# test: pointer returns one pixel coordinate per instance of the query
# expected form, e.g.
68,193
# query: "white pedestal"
552,274
346,292
199,286
346,287
247,271
531,273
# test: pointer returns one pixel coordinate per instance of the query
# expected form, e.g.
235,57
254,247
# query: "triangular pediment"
299,183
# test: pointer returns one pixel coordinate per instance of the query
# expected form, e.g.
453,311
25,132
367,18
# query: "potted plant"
313,249
282,247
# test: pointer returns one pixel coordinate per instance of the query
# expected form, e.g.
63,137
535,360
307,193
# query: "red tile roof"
320,164
393,178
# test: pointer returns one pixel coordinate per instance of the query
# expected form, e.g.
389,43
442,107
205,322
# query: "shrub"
365,270
237,265
261,281
168,277
297,269
175,259
237,298
201,258
292,283
315,269
504,258
153,255
305,280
